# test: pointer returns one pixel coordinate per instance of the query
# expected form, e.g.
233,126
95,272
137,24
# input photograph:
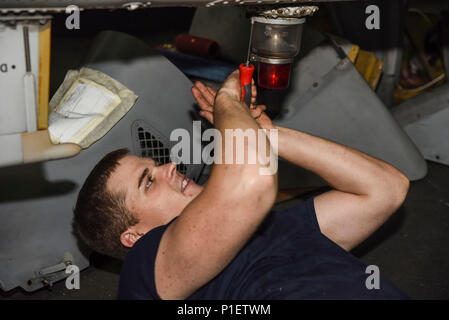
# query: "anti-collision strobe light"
274,44
274,76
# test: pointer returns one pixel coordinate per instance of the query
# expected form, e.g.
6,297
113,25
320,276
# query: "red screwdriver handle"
246,75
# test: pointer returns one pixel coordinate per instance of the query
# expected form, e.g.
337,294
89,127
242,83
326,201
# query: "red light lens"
274,76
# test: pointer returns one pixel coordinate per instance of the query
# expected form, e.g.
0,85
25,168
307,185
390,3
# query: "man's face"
155,193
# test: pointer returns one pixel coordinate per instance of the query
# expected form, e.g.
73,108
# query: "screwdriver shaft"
250,39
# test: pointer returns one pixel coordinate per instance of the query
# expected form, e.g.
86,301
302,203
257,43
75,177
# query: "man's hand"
231,87
205,97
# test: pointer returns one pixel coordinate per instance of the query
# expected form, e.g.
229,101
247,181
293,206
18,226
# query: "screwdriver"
246,73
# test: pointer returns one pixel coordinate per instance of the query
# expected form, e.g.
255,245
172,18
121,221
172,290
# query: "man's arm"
367,190
204,239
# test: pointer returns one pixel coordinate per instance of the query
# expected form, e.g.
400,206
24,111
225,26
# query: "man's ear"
129,237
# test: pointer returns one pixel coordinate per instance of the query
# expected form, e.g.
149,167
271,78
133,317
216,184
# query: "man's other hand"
205,97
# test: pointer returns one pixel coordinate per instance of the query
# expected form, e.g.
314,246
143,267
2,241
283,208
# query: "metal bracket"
12,20
51,274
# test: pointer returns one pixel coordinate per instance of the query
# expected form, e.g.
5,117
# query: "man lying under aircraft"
222,241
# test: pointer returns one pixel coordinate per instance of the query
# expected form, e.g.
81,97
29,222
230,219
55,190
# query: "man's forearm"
232,114
344,168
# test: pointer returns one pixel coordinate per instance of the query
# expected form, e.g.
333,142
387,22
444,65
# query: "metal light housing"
275,42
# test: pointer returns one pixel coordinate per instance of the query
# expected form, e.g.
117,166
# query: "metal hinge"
49,275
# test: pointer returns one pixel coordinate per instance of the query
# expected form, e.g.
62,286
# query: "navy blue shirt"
287,258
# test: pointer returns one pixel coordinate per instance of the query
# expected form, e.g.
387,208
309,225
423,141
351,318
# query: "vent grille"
150,146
